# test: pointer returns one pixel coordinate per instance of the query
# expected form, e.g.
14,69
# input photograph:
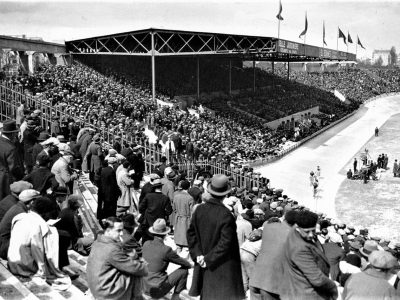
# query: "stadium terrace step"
17,287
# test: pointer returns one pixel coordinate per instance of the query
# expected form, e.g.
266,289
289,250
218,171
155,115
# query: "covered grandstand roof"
163,42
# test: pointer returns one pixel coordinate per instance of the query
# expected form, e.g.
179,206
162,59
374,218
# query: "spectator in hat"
182,207
214,246
71,222
111,271
7,202
37,147
148,186
95,155
155,205
196,190
305,266
125,182
22,206
267,276
55,127
108,191
244,226
334,253
373,282
62,170
366,250
11,164
158,282
117,144
42,179
29,139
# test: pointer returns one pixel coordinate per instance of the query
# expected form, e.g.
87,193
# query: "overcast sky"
376,22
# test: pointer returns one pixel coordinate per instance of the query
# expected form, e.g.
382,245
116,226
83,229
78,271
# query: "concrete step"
18,287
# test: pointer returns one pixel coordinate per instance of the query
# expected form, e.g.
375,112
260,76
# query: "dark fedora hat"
10,126
219,185
43,136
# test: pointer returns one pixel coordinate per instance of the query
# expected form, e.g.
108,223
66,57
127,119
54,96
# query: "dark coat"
159,255
36,149
42,179
155,206
195,192
305,270
6,203
5,226
212,233
147,188
70,222
30,137
96,156
108,193
111,271
11,166
334,254
268,269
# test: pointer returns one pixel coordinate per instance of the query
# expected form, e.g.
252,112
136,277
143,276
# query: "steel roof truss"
140,43
205,44
222,44
120,44
186,43
103,44
165,42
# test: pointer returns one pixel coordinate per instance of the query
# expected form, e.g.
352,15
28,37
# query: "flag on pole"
349,38
342,36
279,16
305,28
323,35
359,42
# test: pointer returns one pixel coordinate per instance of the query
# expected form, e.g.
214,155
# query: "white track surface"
332,151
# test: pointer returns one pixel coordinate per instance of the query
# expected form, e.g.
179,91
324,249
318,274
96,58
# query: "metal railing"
12,95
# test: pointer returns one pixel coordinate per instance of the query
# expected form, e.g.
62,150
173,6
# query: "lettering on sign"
288,47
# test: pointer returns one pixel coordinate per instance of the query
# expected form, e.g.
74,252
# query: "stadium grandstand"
173,109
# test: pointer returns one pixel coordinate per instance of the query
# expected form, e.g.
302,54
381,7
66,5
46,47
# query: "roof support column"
273,67
230,76
288,70
198,77
254,76
153,68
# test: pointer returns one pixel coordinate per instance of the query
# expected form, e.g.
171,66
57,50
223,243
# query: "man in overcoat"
266,278
214,247
305,266
108,191
182,207
110,270
11,164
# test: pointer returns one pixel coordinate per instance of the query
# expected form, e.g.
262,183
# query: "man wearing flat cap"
373,283
305,266
214,247
7,202
11,164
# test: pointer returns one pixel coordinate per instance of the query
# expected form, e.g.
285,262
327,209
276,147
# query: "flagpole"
279,28
337,39
323,38
347,41
356,47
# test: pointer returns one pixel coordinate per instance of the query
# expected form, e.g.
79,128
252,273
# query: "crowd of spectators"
272,246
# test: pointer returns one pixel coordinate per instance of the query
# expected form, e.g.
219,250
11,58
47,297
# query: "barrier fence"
12,95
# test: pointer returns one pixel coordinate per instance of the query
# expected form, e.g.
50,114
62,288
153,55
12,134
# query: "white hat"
28,195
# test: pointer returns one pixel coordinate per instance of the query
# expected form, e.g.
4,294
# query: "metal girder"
21,44
184,43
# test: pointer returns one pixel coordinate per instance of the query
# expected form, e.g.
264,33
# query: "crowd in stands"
250,239
356,84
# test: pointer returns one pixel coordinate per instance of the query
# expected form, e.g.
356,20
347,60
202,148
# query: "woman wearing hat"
214,246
